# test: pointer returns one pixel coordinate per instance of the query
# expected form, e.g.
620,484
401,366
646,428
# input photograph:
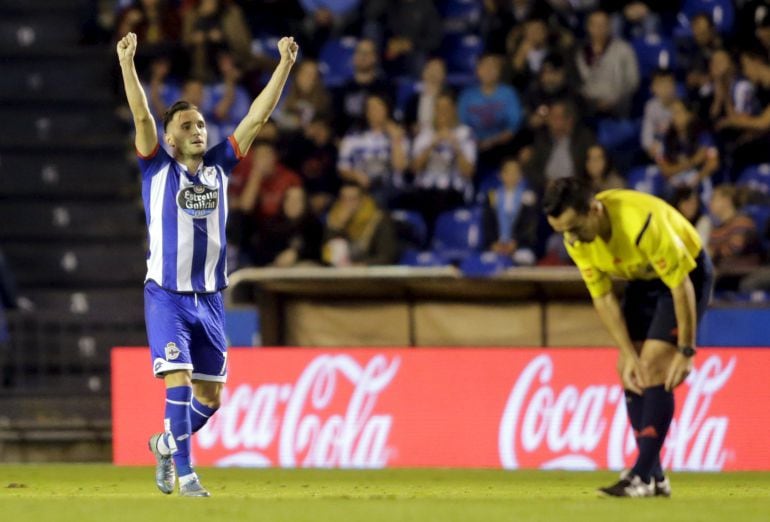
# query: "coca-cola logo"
574,428
326,418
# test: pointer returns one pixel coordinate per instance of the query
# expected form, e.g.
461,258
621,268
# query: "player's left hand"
680,368
288,49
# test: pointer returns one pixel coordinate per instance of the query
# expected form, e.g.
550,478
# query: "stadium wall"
432,407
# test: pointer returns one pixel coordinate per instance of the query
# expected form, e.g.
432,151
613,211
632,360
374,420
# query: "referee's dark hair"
178,106
561,194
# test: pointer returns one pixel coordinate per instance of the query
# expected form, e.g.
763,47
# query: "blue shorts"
186,332
648,306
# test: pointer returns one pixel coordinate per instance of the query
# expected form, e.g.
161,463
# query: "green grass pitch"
106,493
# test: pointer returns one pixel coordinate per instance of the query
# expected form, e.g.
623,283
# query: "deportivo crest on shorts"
172,352
198,201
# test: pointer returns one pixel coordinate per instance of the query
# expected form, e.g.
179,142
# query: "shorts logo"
158,365
172,352
198,201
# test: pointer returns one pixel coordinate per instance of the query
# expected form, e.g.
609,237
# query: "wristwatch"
687,351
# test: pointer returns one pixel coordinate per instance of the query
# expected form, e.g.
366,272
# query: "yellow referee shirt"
650,240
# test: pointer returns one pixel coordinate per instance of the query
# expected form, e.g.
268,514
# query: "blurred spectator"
687,201
409,29
499,16
358,232
155,22
553,83
162,90
689,155
695,54
527,48
751,143
726,93
291,237
608,69
211,26
494,113
635,18
229,100
657,111
273,17
443,159
733,243
561,150
376,157
306,99
350,99
756,16
420,108
599,170
511,216
324,18
262,181
313,156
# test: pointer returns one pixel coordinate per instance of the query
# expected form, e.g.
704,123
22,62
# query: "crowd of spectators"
433,106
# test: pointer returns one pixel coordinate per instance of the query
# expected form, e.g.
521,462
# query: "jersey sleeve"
597,281
226,155
152,163
665,251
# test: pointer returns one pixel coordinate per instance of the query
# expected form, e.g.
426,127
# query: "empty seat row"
43,220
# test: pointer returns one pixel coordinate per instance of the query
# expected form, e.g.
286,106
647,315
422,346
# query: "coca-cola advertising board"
509,408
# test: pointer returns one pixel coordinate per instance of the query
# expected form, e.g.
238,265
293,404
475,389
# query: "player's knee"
208,394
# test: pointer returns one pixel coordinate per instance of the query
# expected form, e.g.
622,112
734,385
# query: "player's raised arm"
146,133
263,105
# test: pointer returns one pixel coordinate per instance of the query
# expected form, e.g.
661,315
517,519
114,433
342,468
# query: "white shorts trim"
161,366
210,378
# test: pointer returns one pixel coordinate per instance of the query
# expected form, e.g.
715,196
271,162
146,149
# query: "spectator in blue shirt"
494,113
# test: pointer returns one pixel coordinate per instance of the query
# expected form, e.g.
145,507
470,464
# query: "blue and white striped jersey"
186,218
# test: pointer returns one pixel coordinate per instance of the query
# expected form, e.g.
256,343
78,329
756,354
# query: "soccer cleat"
165,474
630,486
663,488
193,489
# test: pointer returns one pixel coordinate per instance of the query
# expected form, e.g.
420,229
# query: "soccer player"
186,209
640,238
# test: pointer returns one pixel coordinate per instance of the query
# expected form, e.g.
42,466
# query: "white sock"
185,479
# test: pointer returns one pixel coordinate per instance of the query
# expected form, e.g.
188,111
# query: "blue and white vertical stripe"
186,216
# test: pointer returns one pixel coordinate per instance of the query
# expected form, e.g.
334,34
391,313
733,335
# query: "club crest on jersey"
198,201
172,352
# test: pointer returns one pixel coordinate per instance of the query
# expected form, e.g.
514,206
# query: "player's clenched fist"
127,47
288,49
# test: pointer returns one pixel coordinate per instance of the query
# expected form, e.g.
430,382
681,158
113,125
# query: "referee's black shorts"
648,306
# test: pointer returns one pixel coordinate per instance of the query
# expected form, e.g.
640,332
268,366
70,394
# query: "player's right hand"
127,47
632,375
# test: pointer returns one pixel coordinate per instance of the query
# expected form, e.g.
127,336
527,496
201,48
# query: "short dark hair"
564,193
178,106
663,72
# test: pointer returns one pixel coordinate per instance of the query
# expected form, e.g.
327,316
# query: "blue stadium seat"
458,233
619,134
406,87
485,264
722,14
646,179
414,257
461,52
756,178
335,60
411,226
654,52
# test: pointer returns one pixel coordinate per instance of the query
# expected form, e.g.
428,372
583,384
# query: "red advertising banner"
509,408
